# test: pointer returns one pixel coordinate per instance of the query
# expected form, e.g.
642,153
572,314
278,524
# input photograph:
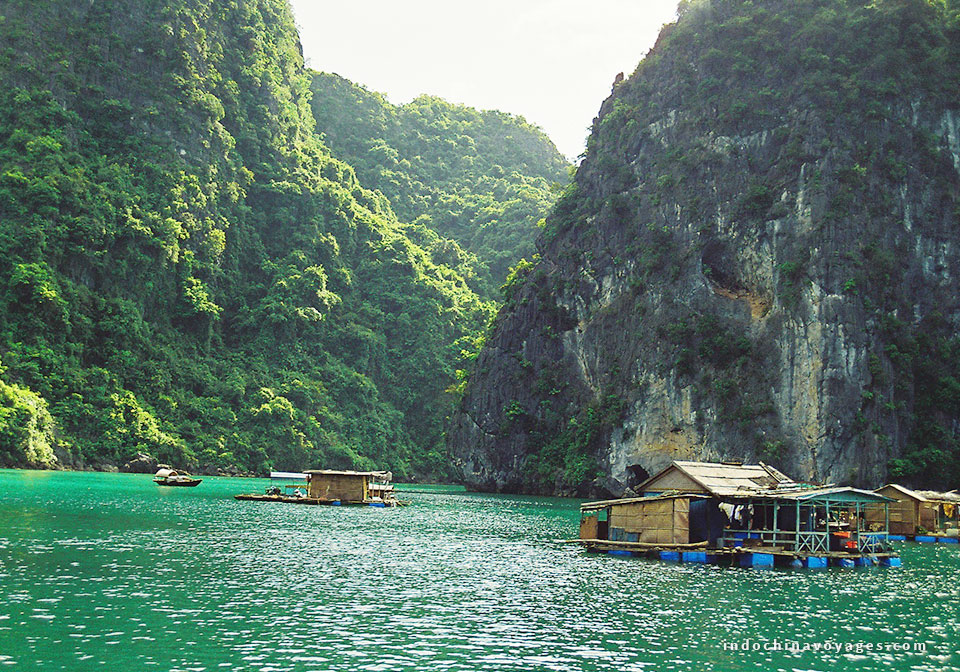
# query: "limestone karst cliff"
758,260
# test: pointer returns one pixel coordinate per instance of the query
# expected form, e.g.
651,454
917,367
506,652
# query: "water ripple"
111,570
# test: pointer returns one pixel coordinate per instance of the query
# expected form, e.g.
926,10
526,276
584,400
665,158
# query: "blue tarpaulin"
706,521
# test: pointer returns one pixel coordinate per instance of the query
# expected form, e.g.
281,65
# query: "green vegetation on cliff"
26,428
187,271
481,179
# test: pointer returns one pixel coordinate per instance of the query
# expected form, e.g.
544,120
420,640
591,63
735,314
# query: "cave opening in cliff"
637,475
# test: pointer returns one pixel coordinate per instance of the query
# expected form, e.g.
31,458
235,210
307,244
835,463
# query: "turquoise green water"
109,571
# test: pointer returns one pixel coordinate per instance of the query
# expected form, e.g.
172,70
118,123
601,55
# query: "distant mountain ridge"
483,179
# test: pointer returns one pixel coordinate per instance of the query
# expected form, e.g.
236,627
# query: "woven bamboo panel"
928,516
903,516
589,527
347,488
660,521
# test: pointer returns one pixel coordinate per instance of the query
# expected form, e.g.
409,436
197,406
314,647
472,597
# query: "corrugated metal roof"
334,472
925,495
841,493
798,493
934,496
287,476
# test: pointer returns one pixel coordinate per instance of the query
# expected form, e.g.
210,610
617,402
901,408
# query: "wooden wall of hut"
908,515
345,487
590,527
657,521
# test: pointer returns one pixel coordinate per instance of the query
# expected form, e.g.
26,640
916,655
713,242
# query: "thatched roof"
717,479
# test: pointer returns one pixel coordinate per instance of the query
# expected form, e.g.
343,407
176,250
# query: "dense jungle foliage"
481,179
185,269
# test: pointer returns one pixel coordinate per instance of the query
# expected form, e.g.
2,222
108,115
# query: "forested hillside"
187,271
481,179
758,260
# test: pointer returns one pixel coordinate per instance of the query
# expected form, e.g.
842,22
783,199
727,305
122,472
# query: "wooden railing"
805,541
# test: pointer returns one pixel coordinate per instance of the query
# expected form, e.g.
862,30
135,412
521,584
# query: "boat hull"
181,484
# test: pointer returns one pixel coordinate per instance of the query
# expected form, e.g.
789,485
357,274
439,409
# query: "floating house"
746,514
350,487
663,520
922,515
328,486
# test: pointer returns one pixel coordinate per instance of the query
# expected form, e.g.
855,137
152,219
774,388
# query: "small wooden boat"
175,478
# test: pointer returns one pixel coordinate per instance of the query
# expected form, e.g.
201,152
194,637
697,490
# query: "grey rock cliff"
758,260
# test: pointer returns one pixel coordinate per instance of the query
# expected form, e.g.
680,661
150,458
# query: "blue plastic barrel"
756,560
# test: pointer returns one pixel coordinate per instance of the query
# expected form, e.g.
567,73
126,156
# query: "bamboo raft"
318,487
313,501
286,499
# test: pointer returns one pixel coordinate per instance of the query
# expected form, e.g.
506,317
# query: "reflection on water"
107,570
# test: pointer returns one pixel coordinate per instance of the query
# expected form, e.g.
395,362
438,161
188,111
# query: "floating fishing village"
746,515
727,513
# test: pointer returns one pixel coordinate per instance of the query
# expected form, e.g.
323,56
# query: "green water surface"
111,572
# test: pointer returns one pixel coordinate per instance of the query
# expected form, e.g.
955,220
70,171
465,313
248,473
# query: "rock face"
141,464
758,259
232,472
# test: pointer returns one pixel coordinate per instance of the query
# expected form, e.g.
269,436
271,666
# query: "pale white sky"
551,61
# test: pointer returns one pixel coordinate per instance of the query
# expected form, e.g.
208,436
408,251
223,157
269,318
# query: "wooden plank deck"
280,498
605,545
310,501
